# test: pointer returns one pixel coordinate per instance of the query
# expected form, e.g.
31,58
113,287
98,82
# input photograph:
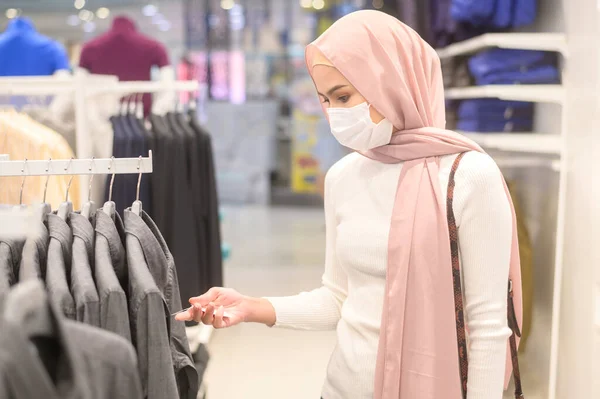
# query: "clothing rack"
84,87
92,166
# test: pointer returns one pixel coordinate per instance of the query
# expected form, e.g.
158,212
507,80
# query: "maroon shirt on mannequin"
124,52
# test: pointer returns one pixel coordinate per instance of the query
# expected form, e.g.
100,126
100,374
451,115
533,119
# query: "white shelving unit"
518,41
540,145
518,142
533,93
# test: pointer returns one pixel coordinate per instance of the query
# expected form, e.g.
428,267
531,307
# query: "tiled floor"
274,252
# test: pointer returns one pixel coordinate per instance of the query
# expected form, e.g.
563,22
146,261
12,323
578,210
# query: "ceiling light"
227,4
73,20
150,10
157,19
79,4
12,13
86,15
318,4
164,26
378,4
89,27
102,13
306,3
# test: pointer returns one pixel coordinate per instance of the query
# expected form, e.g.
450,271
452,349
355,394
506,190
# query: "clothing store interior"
172,213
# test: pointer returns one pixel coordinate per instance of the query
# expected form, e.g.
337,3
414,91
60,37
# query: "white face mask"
354,129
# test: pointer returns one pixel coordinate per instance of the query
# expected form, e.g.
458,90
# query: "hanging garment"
162,267
150,323
111,274
500,14
59,270
34,255
210,206
417,354
162,189
83,287
503,66
125,52
25,52
22,138
10,256
143,145
526,254
182,216
85,362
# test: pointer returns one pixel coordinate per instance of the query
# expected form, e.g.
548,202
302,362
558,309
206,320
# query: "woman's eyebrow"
333,90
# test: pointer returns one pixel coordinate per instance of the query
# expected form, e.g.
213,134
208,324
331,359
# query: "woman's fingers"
209,315
188,315
219,322
210,296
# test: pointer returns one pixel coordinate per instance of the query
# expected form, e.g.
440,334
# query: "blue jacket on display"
501,66
498,14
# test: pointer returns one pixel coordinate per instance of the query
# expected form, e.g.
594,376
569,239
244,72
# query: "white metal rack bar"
517,41
101,166
536,143
534,93
145,87
527,162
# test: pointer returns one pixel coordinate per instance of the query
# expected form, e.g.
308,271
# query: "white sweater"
358,208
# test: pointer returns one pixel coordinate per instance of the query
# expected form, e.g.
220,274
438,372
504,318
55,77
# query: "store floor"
275,251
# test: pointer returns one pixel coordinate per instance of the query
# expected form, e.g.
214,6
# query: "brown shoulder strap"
458,299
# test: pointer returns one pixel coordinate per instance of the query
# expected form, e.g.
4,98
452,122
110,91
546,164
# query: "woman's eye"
343,99
324,100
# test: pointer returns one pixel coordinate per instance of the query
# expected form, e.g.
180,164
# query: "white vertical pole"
84,141
559,251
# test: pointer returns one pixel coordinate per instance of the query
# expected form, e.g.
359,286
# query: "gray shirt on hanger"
88,363
111,274
150,323
161,264
34,255
59,265
83,288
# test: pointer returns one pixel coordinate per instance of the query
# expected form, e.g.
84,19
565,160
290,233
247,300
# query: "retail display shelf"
533,93
518,41
536,143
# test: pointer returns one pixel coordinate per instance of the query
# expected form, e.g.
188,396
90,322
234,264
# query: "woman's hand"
225,307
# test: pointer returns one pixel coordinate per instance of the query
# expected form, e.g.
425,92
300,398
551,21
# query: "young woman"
392,283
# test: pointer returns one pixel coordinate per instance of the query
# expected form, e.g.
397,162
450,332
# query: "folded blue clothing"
524,12
492,107
494,14
498,60
544,74
483,125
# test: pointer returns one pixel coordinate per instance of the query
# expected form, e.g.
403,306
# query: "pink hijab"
400,75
